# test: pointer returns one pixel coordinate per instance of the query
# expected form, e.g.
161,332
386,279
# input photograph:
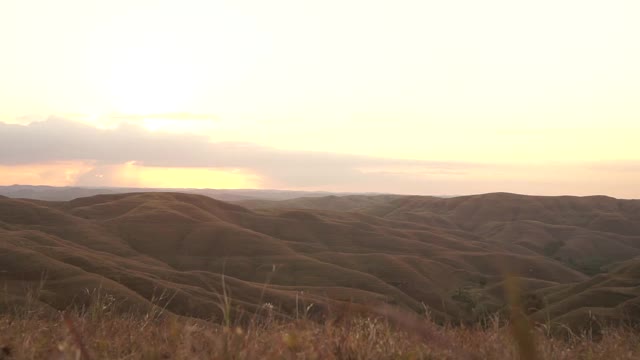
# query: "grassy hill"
573,256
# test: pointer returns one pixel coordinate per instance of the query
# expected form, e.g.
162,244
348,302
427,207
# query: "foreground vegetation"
99,333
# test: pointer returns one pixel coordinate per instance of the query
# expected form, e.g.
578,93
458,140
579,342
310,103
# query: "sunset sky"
422,97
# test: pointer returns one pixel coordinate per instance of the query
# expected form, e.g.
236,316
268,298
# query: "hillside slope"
448,254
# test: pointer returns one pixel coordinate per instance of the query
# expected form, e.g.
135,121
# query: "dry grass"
98,333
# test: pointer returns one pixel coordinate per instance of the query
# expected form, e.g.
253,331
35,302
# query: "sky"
421,97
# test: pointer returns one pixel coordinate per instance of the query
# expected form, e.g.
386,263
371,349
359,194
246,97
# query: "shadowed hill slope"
597,302
586,233
448,254
332,202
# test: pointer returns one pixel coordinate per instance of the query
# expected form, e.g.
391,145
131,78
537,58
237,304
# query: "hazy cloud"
102,154
628,166
62,140
173,116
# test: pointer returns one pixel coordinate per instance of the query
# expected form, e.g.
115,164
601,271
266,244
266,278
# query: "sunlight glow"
497,81
132,174
54,174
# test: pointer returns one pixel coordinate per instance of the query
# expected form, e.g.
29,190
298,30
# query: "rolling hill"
578,254
66,193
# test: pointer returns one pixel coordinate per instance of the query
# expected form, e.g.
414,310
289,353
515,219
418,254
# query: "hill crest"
401,250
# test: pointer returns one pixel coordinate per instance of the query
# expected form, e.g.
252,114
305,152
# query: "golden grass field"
98,332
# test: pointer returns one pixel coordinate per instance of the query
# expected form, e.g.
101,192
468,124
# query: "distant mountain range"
577,259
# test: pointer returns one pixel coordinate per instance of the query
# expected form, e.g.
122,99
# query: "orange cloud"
72,173
60,173
132,174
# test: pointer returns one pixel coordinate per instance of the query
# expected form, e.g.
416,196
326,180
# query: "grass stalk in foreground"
102,334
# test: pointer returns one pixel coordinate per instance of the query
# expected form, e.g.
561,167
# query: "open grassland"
97,332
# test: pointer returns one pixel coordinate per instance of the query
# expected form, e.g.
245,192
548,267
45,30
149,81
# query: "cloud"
131,155
172,116
57,139
621,166
55,173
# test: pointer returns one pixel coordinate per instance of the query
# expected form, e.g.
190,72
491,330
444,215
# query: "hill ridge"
425,250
